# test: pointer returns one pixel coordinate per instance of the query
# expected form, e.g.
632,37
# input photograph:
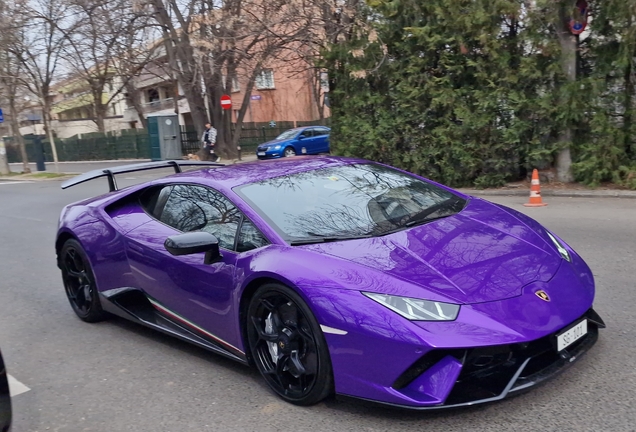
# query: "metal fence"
128,144
190,140
252,134
135,143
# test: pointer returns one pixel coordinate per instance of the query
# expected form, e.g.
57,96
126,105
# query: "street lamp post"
4,162
37,142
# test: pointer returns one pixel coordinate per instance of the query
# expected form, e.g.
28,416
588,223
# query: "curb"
554,193
21,179
65,175
520,192
86,162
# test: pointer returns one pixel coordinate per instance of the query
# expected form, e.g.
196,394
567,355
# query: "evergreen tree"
606,150
474,91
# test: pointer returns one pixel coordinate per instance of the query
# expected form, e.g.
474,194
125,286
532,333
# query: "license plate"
571,335
260,154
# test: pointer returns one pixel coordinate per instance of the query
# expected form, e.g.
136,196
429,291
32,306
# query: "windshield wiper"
325,239
424,216
425,220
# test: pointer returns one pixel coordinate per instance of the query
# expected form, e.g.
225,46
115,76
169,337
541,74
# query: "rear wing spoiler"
111,172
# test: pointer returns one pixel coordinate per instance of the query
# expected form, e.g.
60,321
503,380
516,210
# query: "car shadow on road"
341,404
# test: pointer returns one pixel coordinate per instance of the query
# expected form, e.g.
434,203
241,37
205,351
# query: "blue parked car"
302,140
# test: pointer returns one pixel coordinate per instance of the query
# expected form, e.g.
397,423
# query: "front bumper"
465,377
269,154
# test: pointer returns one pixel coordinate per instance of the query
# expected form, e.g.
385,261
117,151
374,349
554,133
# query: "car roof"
230,176
300,128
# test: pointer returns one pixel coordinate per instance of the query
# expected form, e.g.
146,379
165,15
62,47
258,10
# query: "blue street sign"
1,116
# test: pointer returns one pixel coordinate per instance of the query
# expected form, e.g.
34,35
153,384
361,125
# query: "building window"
153,95
166,93
236,86
265,80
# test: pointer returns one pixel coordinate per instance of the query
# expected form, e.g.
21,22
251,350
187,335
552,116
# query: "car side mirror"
301,136
193,243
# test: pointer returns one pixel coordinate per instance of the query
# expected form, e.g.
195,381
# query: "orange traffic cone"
535,191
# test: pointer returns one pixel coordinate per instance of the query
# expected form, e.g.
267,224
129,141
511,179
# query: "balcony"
160,105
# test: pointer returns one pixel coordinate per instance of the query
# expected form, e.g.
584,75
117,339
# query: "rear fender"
104,246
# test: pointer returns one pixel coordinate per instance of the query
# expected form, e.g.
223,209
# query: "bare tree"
10,72
334,22
154,66
37,44
103,50
175,21
213,44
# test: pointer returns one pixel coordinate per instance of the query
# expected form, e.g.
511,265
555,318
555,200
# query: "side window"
322,131
196,208
250,237
154,199
308,133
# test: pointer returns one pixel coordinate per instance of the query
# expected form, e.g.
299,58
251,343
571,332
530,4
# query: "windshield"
345,202
287,134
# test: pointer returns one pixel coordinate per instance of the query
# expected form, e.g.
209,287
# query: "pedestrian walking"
209,141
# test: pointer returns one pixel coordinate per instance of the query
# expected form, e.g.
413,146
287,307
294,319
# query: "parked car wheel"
289,152
79,283
288,346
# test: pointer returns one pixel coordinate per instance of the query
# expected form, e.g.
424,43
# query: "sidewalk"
546,192
518,189
78,167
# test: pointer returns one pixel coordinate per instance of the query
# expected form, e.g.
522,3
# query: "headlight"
417,309
562,250
277,147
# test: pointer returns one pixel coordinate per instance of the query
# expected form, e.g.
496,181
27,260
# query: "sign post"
4,163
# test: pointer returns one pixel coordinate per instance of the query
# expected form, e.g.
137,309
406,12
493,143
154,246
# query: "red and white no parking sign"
226,102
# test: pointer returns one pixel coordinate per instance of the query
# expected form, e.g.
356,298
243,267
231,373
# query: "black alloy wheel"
79,282
289,152
288,346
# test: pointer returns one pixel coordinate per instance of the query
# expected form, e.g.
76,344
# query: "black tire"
79,282
289,152
287,345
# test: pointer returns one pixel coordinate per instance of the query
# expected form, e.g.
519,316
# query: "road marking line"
13,182
16,387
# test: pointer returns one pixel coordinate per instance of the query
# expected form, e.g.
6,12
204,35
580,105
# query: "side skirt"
132,304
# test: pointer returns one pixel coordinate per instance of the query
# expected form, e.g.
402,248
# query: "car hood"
482,254
275,142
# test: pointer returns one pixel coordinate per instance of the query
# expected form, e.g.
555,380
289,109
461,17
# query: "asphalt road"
116,376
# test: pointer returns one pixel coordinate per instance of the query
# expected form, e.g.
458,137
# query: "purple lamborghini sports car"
334,275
